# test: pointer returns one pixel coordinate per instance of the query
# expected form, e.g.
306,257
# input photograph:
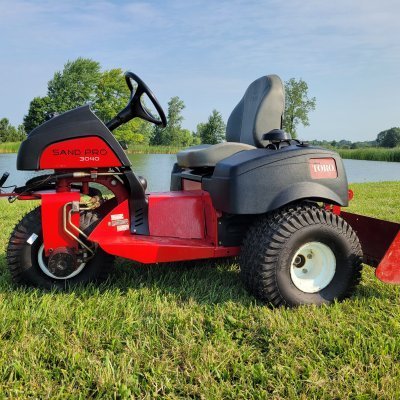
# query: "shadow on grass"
203,281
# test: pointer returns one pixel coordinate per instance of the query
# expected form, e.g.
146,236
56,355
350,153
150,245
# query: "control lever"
4,178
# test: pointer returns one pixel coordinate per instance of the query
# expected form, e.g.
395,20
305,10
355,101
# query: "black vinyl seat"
206,155
258,112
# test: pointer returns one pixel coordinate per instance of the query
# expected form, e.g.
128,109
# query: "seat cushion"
206,155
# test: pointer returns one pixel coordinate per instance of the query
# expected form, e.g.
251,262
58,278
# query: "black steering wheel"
136,106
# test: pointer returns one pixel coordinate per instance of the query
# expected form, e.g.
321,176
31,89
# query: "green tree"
39,108
213,131
389,138
173,134
8,133
355,145
81,82
183,138
297,105
21,133
157,137
111,96
75,85
5,128
175,118
72,87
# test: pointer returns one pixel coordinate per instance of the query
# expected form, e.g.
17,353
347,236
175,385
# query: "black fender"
311,191
262,180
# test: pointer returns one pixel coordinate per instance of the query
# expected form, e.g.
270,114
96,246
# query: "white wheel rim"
44,268
313,267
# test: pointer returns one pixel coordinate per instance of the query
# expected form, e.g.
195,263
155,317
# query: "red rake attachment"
380,241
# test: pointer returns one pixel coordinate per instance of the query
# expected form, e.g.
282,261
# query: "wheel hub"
313,267
62,264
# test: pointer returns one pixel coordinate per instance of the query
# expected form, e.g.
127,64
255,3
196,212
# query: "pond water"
156,168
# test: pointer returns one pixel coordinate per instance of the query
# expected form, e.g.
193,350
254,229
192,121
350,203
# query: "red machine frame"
183,226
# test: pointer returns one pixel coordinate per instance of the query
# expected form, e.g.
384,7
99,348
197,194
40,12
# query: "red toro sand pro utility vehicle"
271,200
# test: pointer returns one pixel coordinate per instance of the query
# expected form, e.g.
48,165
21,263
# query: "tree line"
82,81
10,133
388,138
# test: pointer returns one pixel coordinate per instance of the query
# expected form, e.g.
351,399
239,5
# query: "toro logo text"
323,168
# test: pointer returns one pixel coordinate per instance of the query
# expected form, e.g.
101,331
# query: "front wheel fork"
68,210
60,223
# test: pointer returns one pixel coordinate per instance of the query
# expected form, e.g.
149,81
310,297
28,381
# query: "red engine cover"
88,152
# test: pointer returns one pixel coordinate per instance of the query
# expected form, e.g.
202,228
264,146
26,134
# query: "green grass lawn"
152,332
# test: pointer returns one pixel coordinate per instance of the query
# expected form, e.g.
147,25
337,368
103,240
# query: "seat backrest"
258,112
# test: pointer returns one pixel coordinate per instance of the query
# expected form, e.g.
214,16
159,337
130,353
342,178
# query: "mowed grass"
153,332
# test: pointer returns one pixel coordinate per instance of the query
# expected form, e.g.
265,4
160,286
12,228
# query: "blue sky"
208,52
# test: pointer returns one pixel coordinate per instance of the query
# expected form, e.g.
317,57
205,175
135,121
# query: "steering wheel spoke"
136,107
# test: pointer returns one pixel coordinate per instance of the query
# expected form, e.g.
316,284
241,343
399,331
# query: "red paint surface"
388,270
376,235
88,152
211,215
151,249
177,214
52,217
333,208
323,168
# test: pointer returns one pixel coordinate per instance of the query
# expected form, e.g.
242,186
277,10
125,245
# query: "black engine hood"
77,123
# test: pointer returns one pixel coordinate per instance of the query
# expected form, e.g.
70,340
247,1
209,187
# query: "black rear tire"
22,257
273,250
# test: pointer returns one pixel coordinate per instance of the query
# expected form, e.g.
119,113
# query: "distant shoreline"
371,154
366,154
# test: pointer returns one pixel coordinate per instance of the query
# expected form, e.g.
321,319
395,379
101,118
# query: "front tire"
301,254
28,265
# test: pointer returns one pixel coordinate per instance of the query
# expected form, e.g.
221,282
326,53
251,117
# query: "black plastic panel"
262,180
77,123
233,228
